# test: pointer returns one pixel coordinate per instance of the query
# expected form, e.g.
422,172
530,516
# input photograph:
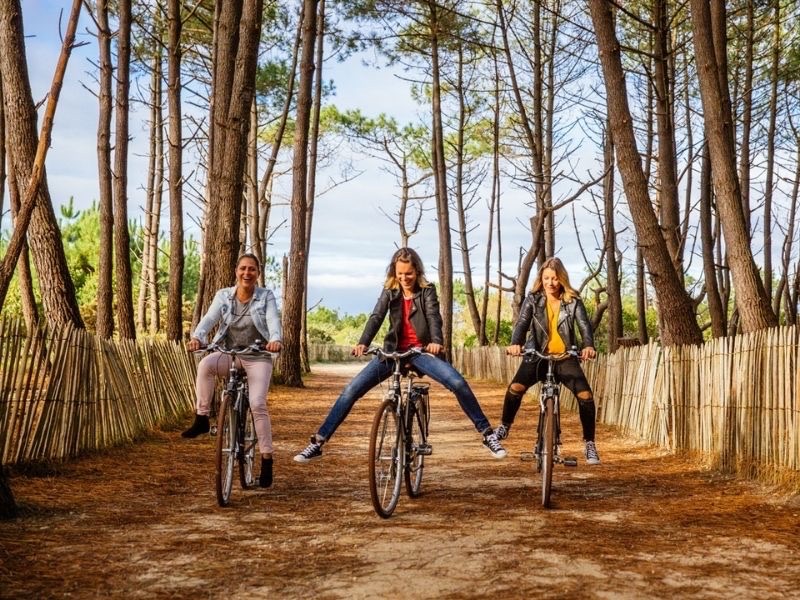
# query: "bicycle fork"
567,461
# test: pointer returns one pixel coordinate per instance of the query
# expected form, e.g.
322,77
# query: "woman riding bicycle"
548,317
246,314
414,321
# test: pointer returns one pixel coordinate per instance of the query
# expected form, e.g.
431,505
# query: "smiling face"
406,276
551,284
247,274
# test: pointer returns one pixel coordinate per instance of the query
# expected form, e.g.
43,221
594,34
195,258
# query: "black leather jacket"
532,323
425,318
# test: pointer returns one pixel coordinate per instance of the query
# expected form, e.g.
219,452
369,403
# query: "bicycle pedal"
424,449
527,456
570,461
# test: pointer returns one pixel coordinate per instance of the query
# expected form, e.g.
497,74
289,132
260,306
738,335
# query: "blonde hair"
568,293
406,255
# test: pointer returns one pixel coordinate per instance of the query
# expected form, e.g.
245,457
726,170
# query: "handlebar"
393,355
534,352
256,347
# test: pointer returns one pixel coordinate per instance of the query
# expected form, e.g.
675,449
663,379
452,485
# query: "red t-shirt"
408,337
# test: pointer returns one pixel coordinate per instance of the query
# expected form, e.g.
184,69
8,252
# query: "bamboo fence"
734,401
64,391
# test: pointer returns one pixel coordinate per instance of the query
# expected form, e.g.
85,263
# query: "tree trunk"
752,302
613,291
30,311
461,205
122,238
533,138
747,109
716,309
440,178
148,279
174,325
104,326
36,217
238,27
313,149
769,177
679,325
784,292
667,170
289,362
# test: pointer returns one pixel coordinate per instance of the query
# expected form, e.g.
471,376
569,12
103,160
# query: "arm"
373,323
585,328
522,326
207,322
275,343
434,318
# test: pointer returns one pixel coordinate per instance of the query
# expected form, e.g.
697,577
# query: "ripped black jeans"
567,372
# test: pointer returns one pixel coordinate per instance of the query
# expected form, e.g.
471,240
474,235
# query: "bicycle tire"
226,449
385,459
249,459
417,436
548,449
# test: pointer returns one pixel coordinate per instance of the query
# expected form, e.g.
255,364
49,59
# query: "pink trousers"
259,374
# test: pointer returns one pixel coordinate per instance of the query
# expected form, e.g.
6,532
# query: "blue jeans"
377,370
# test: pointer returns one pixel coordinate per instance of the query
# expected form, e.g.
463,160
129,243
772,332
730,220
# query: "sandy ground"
142,521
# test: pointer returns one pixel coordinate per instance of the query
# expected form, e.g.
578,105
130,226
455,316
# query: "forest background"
653,145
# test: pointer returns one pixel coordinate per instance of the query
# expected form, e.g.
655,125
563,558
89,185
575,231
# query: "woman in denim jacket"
414,321
245,314
548,317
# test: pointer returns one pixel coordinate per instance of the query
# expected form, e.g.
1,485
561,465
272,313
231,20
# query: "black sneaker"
592,458
200,425
493,444
265,477
501,432
311,452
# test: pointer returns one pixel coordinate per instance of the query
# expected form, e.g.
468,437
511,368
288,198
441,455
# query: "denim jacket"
264,310
532,322
425,318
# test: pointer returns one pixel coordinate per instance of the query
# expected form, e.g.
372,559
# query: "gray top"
242,330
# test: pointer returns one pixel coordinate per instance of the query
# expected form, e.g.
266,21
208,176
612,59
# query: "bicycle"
235,430
398,442
548,440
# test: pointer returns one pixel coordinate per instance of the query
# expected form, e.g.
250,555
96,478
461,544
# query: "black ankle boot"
265,479
199,426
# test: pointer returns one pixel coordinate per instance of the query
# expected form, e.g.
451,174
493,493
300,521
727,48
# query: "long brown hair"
568,293
406,255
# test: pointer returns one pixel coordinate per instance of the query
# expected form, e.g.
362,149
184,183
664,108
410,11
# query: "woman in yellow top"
547,318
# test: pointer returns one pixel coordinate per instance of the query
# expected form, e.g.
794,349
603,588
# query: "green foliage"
327,325
80,234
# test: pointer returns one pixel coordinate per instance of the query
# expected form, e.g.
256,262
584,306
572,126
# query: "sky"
352,239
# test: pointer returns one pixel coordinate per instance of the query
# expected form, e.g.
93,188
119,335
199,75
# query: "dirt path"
142,522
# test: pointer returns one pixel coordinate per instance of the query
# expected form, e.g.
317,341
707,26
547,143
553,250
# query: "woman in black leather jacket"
547,320
414,321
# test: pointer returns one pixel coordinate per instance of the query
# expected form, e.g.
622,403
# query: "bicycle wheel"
385,459
416,444
249,460
226,448
548,449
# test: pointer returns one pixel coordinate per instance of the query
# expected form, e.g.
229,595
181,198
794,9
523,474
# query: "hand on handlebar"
434,348
275,346
588,353
193,345
358,350
514,350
